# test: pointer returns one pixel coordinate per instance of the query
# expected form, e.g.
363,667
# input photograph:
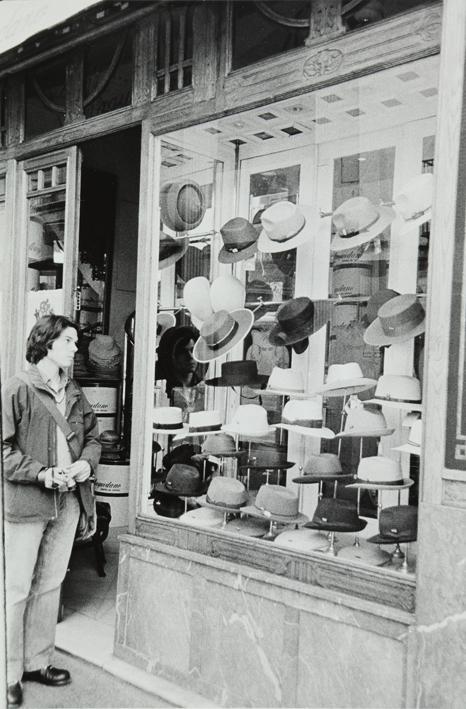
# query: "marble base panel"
246,637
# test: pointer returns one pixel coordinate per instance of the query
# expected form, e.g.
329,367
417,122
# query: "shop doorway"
104,303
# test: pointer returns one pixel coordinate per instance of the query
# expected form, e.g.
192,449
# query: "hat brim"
180,247
375,336
391,404
323,432
260,381
410,224
167,431
375,433
285,392
236,431
337,526
408,448
286,465
407,482
311,479
186,433
199,522
226,256
364,554
310,541
350,386
205,456
284,519
203,353
386,217
402,539
160,487
269,246
278,337
221,508
246,527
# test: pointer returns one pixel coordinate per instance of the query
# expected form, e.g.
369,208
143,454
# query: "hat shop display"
413,445
201,423
182,205
239,373
304,417
398,391
277,504
285,382
376,301
182,481
250,421
284,226
104,356
297,319
377,472
345,379
414,202
171,250
358,221
398,320
220,333
228,494
365,421
239,240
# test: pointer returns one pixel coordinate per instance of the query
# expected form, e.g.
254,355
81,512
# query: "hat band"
285,390
268,513
226,339
282,240
304,423
222,504
403,322
211,427
387,397
345,234
381,482
237,249
168,426
417,215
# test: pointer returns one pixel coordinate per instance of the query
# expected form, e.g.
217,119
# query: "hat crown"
355,215
251,415
322,463
331,510
201,419
196,297
398,387
239,371
277,500
303,409
286,379
379,469
343,372
238,233
218,444
376,301
183,479
282,220
416,196
400,314
295,313
227,293
217,327
167,415
365,418
227,491
398,522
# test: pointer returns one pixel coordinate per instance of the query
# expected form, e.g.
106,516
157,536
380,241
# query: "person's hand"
56,479
80,470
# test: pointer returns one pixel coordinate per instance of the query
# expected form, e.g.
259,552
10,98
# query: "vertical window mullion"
168,23
181,40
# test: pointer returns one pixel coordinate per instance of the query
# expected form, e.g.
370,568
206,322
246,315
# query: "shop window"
361,14
174,50
45,98
3,115
108,74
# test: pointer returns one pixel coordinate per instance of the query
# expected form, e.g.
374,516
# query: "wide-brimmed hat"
365,421
398,320
377,472
336,515
220,445
249,420
358,221
220,333
276,503
182,480
284,226
239,240
322,466
396,525
398,391
171,250
300,540
297,319
201,423
413,446
227,493
196,298
227,293
167,419
304,416
376,301
345,378
182,205
285,382
414,201
203,517
267,457
238,373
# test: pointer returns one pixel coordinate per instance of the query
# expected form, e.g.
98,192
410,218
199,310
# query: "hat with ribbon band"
221,332
398,320
358,221
398,391
396,525
377,472
336,515
201,423
414,201
167,419
182,480
284,226
376,301
322,466
304,417
225,493
276,503
239,373
365,422
239,240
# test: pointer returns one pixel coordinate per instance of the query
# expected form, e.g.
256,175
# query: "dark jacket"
29,445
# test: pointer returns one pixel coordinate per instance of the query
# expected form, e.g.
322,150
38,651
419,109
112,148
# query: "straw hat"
285,382
220,333
414,443
239,240
358,221
276,503
182,205
345,379
414,201
167,419
398,391
284,226
376,301
201,423
249,420
377,472
171,250
365,422
398,320
304,417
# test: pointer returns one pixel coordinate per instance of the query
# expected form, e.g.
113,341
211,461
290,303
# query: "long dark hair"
171,341
44,333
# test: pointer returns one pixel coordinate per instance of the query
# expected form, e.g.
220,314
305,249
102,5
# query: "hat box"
352,279
103,398
112,485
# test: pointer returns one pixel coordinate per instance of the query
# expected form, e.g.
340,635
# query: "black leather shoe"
50,675
15,695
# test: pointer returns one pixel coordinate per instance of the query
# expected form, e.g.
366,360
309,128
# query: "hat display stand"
378,557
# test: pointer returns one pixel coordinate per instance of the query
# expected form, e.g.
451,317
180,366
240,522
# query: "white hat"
414,201
227,293
196,297
201,423
398,391
249,420
378,472
203,517
304,417
345,379
301,539
365,421
357,221
276,503
285,382
413,445
167,419
221,332
284,226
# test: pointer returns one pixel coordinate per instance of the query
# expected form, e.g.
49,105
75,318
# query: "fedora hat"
219,444
104,353
167,505
180,454
203,517
171,250
227,493
247,527
276,503
285,382
239,240
196,298
398,391
413,445
414,201
182,480
238,373
167,419
220,333
304,416
200,423
336,515
376,301
321,466
249,420
297,319
365,421
182,205
267,457
377,472
227,293
345,378
284,226
398,320
300,540
396,525
358,221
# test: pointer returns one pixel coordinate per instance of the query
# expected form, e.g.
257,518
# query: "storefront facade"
161,98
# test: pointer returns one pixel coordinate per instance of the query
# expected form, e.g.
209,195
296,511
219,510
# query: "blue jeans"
36,560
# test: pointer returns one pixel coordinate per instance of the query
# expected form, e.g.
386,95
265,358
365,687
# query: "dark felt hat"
239,240
396,524
167,505
182,480
181,454
297,319
171,250
239,373
336,515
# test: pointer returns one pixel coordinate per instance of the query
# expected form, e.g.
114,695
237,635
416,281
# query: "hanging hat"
285,382
167,419
171,250
165,321
267,457
227,493
365,421
377,472
396,525
182,205
297,319
345,379
414,201
239,373
336,515
398,391
196,298
220,333
182,480
413,445
276,503
322,466
301,540
376,301
201,423
227,293
357,221
239,240
304,417
398,320
203,517
249,420
284,226
247,527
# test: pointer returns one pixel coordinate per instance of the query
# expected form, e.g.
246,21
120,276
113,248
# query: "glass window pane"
45,98
108,74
